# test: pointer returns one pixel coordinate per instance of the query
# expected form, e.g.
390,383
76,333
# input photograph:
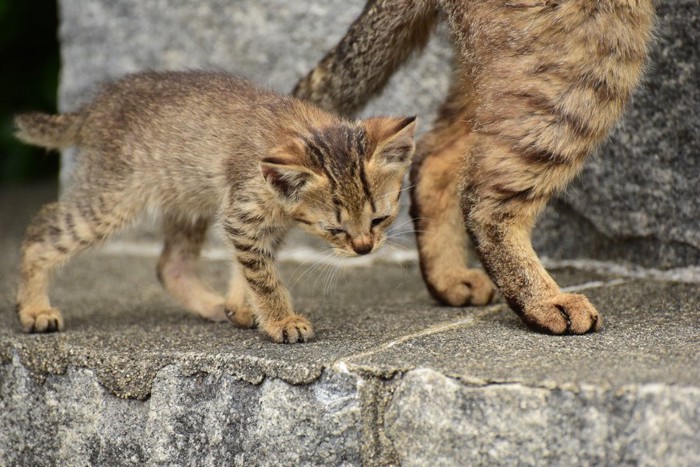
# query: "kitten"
537,86
204,147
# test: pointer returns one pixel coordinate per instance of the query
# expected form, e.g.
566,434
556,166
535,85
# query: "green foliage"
28,81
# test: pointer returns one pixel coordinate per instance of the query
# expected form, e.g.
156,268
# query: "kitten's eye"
379,220
335,231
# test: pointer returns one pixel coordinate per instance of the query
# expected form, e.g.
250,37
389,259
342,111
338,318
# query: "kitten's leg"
58,232
238,301
255,246
440,234
177,267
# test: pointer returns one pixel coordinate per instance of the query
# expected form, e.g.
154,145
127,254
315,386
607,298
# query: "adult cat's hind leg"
58,232
442,239
178,271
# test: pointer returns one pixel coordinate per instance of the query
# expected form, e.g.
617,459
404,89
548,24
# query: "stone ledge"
390,379
417,418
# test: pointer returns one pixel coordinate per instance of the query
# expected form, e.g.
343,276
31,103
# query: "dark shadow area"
30,62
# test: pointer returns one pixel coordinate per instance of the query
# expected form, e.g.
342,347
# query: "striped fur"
538,85
203,148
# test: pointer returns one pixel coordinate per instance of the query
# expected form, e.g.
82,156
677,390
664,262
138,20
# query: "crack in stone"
594,285
344,364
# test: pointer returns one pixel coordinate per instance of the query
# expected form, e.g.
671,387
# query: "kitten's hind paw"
565,313
40,320
461,287
290,330
241,316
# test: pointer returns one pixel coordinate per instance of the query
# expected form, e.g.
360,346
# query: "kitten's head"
342,182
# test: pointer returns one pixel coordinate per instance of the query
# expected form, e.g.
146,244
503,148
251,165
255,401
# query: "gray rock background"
637,200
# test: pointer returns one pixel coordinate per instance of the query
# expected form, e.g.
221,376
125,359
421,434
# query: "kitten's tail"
49,131
376,44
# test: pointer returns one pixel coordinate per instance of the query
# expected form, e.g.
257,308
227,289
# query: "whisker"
329,285
306,261
317,264
396,226
402,189
402,232
421,218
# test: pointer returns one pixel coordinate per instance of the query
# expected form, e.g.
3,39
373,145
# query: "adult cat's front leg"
500,226
551,83
256,243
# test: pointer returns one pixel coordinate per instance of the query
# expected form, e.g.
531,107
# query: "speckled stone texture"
637,200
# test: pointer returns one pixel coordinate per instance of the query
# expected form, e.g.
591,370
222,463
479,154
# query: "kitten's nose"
362,245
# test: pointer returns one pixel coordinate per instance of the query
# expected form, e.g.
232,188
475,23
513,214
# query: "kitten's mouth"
344,253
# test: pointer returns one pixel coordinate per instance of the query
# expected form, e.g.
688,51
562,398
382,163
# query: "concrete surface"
390,379
637,201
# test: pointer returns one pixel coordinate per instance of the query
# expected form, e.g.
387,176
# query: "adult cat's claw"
564,314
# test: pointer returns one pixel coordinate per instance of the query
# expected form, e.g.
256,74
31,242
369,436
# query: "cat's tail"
360,65
49,131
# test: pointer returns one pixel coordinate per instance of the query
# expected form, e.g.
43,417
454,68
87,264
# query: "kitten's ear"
394,139
283,169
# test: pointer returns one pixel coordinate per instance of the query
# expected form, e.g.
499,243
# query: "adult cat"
537,86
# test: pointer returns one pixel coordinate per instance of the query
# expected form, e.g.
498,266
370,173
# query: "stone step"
391,378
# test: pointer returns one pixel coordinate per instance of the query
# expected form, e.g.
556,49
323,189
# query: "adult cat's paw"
40,319
289,330
564,314
461,287
241,316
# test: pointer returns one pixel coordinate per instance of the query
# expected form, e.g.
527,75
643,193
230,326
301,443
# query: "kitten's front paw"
564,314
40,320
461,287
289,330
241,316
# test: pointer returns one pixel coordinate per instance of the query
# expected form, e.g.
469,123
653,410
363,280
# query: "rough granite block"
434,420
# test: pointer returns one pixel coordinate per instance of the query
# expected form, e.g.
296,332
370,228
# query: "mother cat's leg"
442,239
501,199
552,80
